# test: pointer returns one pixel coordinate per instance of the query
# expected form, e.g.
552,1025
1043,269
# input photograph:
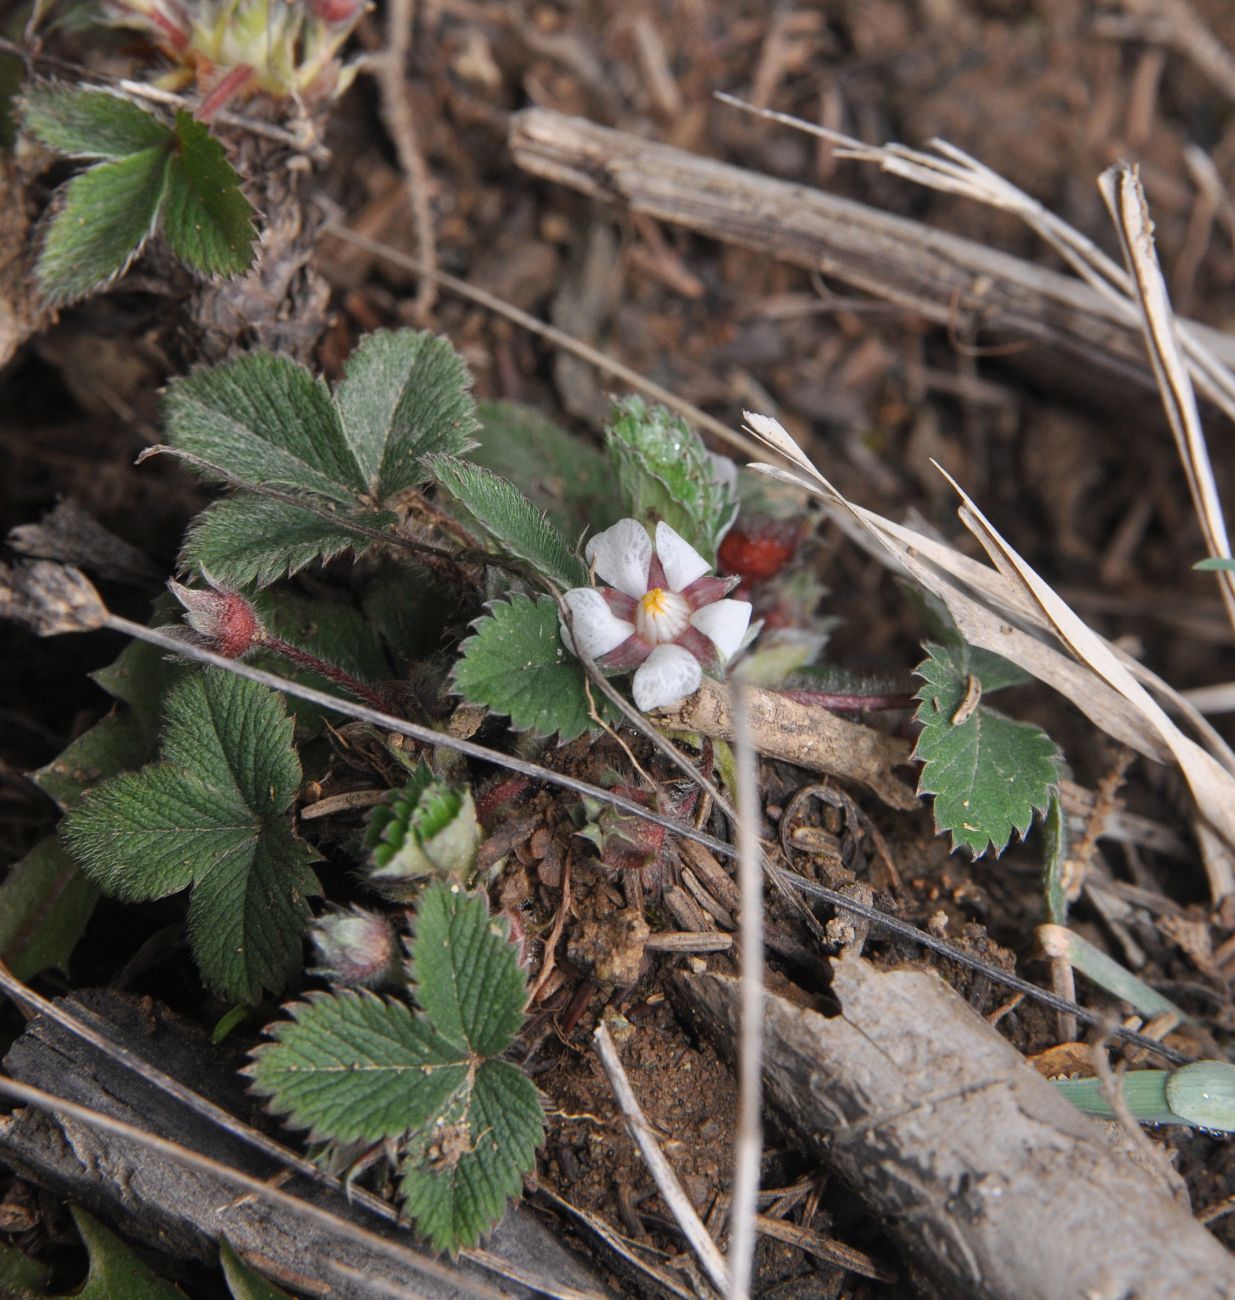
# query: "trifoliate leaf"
116,1272
516,665
405,394
664,472
207,221
510,519
352,1066
252,541
561,474
212,814
266,420
989,774
469,1169
102,221
89,123
45,902
467,975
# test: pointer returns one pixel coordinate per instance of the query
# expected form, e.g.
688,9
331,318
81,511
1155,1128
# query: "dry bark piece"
181,1209
70,535
811,737
49,598
944,278
971,1159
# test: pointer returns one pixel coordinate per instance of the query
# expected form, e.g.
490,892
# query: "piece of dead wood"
812,738
955,282
968,1156
183,1210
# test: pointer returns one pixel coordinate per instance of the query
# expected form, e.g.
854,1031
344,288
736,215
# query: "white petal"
667,675
595,626
682,563
724,622
621,555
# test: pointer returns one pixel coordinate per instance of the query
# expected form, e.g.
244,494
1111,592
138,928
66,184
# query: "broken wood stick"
982,1171
809,736
941,277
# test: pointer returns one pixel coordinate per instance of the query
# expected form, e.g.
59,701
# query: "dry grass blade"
667,1183
748,1146
1212,786
1094,677
1125,197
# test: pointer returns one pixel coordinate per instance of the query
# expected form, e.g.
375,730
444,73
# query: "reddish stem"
337,675
850,703
234,82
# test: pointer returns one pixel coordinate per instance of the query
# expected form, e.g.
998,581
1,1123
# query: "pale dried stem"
671,1190
400,120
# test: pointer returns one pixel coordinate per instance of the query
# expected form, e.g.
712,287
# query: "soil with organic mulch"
1081,478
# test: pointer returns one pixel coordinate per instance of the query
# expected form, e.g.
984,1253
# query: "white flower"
661,614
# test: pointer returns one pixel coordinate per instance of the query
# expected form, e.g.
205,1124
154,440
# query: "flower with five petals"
661,614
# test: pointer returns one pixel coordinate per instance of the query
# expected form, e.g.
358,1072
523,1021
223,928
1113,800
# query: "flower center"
661,616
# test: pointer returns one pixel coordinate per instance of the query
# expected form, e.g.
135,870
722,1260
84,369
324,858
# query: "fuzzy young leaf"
989,774
252,541
510,519
516,664
427,828
103,220
212,814
665,472
89,123
405,394
561,474
352,1066
207,221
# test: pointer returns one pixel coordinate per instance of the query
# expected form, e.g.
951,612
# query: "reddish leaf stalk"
340,676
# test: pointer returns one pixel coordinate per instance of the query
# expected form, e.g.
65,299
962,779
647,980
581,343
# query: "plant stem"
340,676
842,703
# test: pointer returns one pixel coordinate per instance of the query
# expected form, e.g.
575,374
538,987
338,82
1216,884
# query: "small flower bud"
355,947
218,619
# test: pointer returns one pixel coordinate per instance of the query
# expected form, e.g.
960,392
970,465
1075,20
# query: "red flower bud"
220,620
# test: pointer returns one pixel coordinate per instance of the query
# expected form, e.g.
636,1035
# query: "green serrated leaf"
244,1282
459,1185
116,1273
89,123
266,420
989,774
207,221
664,472
333,629
45,903
468,978
352,1066
102,220
561,474
212,814
510,519
252,541
405,394
427,828
516,665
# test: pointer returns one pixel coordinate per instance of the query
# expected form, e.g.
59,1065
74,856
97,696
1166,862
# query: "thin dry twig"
748,1143
400,120
671,1190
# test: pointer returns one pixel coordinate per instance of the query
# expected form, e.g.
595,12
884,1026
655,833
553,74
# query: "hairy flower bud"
355,947
218,619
